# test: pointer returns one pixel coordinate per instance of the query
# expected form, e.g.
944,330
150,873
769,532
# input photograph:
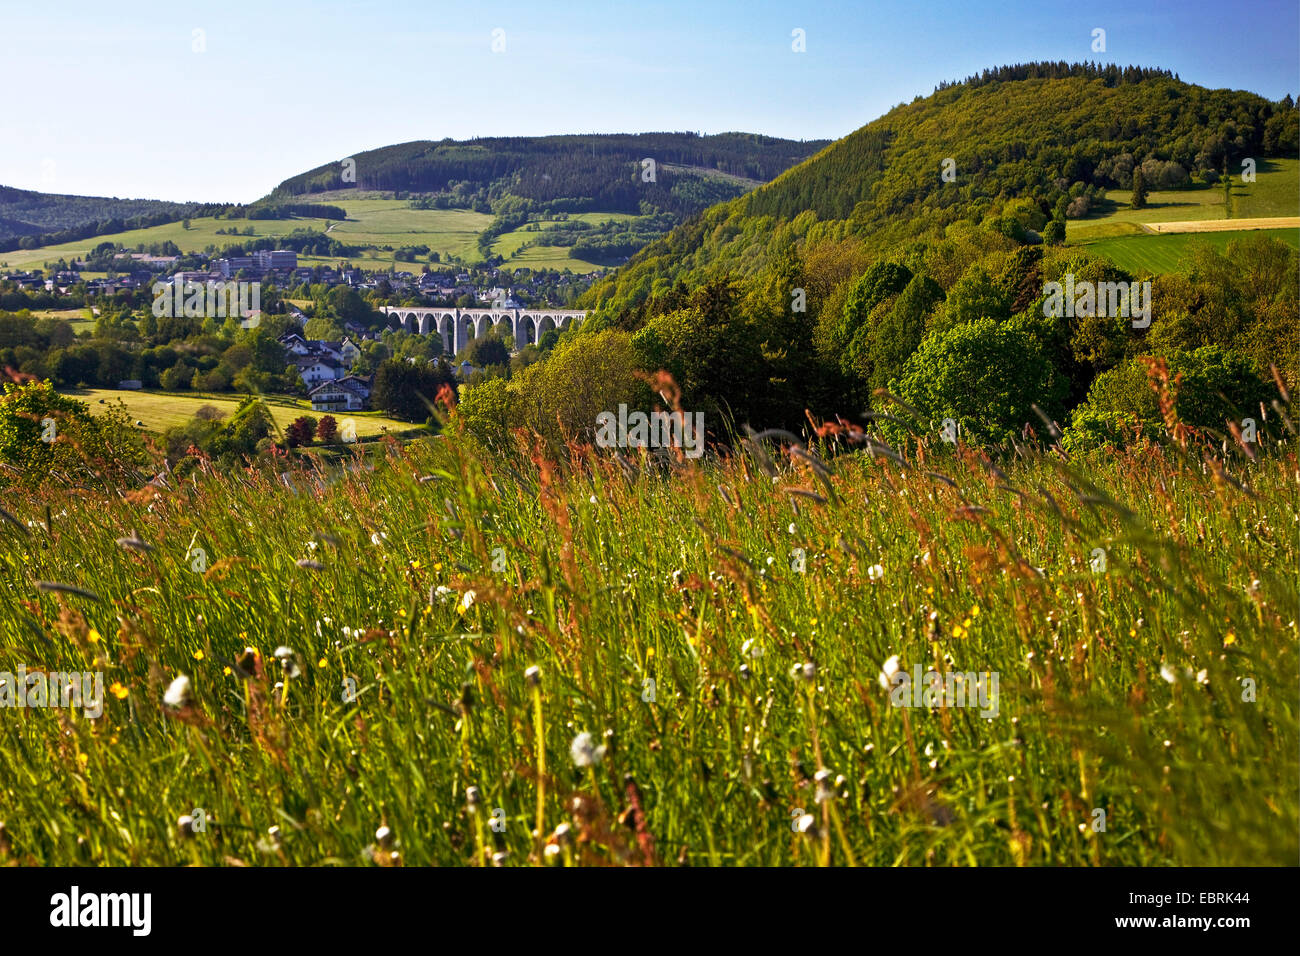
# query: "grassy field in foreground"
716,631
161,410
1147,254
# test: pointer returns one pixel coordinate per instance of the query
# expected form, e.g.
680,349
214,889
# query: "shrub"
84,449
327,429
487,411
584,376
176,378
985,375
300,431
1217,385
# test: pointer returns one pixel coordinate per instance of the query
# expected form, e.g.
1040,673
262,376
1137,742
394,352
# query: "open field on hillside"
707,173
707,642
1274,193
538,257
392,222
161,410
1155,254
377,222
202,233
373,221
550,257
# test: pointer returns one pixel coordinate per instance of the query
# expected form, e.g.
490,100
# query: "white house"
295,343
340,396
315,369
349,352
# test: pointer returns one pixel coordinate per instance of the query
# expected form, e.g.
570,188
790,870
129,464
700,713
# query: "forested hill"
1052,132
569,173
27,213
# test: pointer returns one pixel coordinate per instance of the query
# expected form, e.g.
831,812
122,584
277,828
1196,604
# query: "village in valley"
331,372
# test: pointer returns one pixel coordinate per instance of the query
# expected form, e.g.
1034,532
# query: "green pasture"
162,410
1146,254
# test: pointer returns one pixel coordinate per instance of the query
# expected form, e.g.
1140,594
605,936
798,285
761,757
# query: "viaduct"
458,327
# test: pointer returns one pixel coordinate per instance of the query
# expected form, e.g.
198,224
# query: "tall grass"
436,578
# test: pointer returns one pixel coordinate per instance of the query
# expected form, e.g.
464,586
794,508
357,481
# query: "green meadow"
81,320
1117,232
1274,193
162,410
371,222
1153,255
550,257
466,658
202,232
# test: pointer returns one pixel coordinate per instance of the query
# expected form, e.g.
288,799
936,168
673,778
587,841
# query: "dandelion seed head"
584,751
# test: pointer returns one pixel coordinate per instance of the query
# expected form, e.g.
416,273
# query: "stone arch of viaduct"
459,327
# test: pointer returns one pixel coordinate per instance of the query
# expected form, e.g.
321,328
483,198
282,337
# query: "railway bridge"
459,327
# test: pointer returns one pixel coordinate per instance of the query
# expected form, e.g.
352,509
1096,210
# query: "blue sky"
112,99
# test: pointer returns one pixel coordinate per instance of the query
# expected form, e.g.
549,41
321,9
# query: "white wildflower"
887,672
178,693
